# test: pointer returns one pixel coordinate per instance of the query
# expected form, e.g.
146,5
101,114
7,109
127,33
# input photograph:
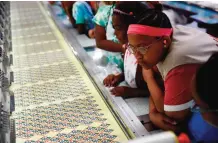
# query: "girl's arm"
127,92
136,92
113,80
177,98
103,43
154,89
160,120
81,29
67,6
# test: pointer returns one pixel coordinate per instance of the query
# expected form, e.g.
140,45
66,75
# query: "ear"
166,41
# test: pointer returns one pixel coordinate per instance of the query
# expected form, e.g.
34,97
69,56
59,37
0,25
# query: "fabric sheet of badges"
55,100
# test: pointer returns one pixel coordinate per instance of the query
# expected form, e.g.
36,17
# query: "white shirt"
130,67
189,46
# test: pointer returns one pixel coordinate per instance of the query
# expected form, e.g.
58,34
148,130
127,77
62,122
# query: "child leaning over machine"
178,51
123,15
83,14
203,125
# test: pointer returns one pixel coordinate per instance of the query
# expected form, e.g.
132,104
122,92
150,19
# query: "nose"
137,55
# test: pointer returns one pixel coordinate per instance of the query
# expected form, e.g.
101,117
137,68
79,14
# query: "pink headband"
149,31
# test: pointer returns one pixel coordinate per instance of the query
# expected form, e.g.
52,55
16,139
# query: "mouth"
142,64
138,61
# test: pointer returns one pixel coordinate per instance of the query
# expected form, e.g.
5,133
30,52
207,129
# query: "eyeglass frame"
139,49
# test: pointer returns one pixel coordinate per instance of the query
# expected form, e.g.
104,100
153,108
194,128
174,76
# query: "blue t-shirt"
200,130
82,13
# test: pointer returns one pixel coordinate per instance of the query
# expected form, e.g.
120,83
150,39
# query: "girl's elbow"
160,110
99,44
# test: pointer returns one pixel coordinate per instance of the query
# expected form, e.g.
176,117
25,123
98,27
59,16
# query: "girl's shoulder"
102,15
104,8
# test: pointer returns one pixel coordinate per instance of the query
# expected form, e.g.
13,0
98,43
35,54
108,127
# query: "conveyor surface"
55,100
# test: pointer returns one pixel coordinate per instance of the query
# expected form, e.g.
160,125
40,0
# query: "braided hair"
128,10
154,18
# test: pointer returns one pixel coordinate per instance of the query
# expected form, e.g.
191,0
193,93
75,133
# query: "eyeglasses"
196,108
142,49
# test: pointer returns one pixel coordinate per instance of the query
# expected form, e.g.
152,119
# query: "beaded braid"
123,13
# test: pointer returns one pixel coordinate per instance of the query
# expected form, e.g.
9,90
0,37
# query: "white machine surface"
55,98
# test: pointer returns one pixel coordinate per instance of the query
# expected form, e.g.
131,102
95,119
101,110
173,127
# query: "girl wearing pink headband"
177,52
135,86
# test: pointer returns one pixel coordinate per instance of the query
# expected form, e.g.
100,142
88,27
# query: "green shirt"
104,18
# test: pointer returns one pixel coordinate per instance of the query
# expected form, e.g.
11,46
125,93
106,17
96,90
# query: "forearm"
135,92
152,111
109,45
103,43
163,125
81,28
155,118
156,94
70,16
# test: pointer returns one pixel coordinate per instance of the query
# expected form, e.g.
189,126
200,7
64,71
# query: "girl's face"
120,29
147,50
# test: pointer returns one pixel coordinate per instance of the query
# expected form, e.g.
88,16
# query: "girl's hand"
112,80
92,33
163,122
121,91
